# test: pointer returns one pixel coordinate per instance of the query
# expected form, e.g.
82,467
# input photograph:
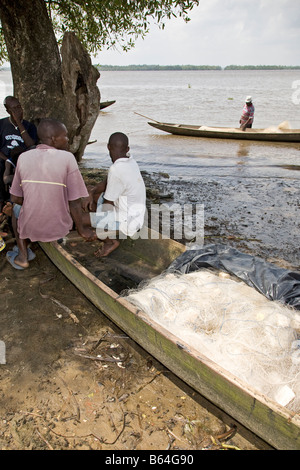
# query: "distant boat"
104,104
272,134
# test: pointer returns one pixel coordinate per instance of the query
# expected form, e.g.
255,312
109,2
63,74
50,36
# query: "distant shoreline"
147,68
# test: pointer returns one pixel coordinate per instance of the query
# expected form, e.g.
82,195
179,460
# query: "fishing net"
232,324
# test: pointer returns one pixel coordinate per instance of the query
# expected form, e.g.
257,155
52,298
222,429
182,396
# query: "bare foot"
107,248
20,262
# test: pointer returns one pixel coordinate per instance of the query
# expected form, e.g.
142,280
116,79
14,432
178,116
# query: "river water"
250,190
211,98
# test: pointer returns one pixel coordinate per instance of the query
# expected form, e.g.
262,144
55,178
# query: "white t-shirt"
126,189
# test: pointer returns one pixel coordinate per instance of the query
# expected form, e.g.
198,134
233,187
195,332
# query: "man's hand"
17,115
76,213
88,204
7,209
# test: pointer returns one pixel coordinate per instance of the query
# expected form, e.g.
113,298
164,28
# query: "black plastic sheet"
270,280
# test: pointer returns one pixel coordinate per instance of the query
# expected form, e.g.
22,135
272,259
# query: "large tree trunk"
80,91
46,83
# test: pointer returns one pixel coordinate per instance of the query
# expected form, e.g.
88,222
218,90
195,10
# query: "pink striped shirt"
247,114
47,179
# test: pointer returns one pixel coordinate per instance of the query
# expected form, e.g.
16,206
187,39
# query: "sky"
221,32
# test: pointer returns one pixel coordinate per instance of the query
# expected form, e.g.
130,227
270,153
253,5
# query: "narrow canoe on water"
105,104
103,280
272,134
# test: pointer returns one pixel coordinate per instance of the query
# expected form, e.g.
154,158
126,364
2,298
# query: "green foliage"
108,23
3,51
104,24
146,67
262,67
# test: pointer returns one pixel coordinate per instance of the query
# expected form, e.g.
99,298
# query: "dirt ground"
73,381
54,394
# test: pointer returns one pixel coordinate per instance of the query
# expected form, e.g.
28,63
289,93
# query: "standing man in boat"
247,116
117,205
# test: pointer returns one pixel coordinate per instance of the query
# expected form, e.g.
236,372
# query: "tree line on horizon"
187,67
146,67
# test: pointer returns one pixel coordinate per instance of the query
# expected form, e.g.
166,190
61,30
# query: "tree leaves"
110,23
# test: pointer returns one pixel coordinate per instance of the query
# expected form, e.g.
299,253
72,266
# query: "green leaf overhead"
110,23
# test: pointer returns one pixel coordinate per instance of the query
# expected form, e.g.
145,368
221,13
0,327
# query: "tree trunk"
80,91
46,83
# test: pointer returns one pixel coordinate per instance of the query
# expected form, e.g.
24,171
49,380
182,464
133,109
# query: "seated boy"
117,205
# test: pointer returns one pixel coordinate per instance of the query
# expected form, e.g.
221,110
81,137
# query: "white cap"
248,99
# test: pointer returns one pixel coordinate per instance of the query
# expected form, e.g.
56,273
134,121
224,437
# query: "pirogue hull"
142,259
105,104
291,135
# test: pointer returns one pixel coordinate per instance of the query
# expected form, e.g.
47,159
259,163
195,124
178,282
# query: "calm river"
249,190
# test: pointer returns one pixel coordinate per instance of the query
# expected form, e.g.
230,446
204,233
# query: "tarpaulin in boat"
270,280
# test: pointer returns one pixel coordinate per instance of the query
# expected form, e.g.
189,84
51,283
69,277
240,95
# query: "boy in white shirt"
118,203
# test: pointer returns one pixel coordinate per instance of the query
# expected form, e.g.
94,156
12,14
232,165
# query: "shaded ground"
53,396
57,393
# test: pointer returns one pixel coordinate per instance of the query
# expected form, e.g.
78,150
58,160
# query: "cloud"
222,32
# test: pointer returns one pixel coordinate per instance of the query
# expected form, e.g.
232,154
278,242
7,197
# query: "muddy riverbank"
53,396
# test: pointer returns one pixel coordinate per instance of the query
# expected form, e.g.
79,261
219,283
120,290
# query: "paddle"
147,117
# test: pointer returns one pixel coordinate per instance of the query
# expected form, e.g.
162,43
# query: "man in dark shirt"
16,135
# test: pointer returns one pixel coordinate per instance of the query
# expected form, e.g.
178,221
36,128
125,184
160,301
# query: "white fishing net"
232,324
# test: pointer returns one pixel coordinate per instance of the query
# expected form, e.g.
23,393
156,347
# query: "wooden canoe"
265,135
105,104
101,281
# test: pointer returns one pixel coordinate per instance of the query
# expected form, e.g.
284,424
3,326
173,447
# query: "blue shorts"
16,209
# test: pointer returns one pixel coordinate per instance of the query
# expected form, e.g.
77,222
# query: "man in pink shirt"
247,116
48,185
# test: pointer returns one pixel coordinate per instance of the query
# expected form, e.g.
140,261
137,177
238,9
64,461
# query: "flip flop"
30,254
10,256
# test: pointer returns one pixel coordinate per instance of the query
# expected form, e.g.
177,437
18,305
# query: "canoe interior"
133,262
102,280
